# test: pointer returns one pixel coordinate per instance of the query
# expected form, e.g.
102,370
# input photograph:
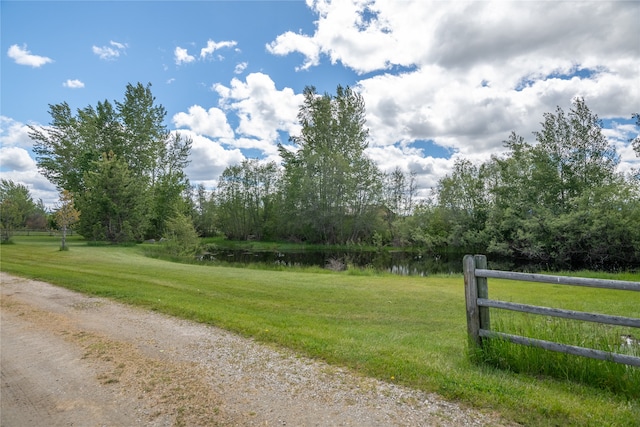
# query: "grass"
618,378
407,330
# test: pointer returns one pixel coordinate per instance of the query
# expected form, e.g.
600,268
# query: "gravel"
167,371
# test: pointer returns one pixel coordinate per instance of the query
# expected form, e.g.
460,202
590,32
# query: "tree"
205,211
73,146
246,195
331,189
464,197
181,236
513,221
38,219
16,205
66,215
572,155
115,206
169,183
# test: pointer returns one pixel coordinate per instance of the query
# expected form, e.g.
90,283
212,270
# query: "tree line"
557,200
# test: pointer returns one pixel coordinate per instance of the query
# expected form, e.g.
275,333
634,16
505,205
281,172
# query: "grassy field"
407,330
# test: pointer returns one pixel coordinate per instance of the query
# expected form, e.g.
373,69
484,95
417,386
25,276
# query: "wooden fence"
478,304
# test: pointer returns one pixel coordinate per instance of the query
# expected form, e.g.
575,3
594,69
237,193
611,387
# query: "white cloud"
292,42
17,164
73,84
110,52
240,67
262,109
17,159
465,74
212,46
14,133
208,158
39,187
22,56
182,56
212,123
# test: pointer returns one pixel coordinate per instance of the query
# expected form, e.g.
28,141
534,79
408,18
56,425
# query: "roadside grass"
401,329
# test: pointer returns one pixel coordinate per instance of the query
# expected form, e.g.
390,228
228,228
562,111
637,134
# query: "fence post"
471,297
483,292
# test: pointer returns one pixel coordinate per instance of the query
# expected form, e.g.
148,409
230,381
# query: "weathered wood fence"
478,304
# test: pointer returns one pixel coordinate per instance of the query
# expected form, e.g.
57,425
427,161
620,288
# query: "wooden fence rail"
478,304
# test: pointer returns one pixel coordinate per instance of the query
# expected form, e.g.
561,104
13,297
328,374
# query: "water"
396,262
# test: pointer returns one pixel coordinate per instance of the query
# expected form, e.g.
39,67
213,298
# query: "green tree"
561,202
331,189
205,211
169,183
399,197
181,236
513,221
72,147
246,199
464,197
115,206
571,155
16,204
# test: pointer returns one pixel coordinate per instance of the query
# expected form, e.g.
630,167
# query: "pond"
396,262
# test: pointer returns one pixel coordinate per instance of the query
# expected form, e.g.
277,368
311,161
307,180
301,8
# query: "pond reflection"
395,262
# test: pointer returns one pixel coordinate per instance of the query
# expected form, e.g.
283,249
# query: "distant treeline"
557,200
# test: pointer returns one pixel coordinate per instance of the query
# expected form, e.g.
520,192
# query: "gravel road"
72,360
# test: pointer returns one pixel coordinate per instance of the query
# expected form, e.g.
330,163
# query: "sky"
440,80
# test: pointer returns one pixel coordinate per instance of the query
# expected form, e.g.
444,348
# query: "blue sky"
441,80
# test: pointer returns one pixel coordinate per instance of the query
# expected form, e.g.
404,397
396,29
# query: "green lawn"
408,330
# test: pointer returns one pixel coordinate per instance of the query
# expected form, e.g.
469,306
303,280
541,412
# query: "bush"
181,237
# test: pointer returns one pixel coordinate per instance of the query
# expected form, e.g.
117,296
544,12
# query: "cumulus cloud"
182,56
17,164
209,159
73,84
292,42
17,159
212,123
262,112
262,109
22,56
14,133
212,46
110,52
465,74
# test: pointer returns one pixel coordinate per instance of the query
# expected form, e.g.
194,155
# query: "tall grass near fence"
606,375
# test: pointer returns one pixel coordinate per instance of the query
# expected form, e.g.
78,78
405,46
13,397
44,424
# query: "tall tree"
330,185
205,211
16,204
115,206
169,183
246,199
572,155
464,197
74,146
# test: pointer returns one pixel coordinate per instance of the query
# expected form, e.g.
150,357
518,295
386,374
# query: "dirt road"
73,360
